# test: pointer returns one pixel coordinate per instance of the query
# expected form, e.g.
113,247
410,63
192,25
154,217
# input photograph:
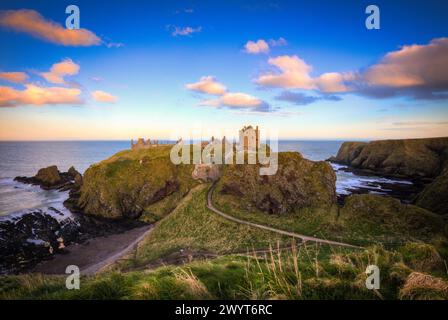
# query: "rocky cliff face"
298,183
412,158
125,184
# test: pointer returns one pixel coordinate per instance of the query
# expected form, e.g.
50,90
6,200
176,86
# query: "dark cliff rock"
411,158
33,237
298,183
51,178
423,160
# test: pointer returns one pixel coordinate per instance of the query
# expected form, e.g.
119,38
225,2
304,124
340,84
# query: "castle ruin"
249,138
142,144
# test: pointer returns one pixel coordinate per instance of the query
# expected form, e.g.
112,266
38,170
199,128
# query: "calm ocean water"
26,158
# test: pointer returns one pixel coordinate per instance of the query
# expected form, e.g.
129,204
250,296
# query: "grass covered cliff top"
414,158
127,184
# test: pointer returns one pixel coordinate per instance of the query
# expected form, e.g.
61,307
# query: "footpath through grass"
194,228
364,220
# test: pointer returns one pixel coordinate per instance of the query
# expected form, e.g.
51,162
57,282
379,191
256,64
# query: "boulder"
73,173
207,172
48,176
298,183
51,178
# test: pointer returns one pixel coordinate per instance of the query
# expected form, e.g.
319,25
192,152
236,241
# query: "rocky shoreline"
36,236
405,190
423,161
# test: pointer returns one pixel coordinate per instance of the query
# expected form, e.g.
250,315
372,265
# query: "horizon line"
166,140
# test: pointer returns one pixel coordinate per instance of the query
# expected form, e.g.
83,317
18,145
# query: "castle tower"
249,138
257,139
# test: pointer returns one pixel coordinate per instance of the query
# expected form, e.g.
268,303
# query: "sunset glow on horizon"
309,69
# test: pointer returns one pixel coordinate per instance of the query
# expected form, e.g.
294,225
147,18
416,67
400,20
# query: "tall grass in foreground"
299,271
316,272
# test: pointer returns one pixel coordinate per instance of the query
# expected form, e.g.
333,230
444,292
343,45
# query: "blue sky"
147,69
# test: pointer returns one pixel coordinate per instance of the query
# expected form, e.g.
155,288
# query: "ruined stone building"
142,144
249,138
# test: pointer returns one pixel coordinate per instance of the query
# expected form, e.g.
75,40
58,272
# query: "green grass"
131,183
193,227
304,272
363,220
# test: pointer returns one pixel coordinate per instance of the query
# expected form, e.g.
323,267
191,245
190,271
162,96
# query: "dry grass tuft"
420,286
193,285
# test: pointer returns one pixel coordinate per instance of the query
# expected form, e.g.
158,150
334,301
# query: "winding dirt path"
302,237
96,254
101,252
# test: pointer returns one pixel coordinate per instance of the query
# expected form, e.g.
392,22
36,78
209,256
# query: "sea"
26,158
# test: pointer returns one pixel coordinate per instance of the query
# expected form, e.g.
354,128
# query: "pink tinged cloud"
105,97
423,67
257,47
207,85
234,100
31,22
15,77
37,96
293,73
333,82
263,46
59,70
414,65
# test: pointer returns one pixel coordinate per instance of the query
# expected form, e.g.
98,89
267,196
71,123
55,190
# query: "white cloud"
208,85
257,47
15,77
37,96
31,22
294,73
114,45
237,100
418,71
102,96
414,65
280,42
59,70
234,100
334,82
263,46
184,31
